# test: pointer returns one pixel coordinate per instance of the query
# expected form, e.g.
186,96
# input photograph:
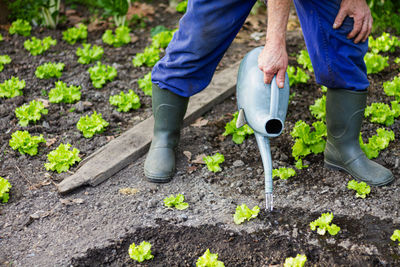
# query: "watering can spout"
263,107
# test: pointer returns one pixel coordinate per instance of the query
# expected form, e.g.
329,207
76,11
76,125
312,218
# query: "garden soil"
94,226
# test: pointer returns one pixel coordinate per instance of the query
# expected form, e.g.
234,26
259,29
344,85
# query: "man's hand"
272,60
359,11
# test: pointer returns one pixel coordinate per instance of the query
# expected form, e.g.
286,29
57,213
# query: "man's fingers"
280,78
268,78
363,33
339,19
358,24
369,29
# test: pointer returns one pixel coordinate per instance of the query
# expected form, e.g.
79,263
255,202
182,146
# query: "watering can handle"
273,109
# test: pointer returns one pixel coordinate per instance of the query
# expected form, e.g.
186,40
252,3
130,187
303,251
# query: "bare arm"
274,59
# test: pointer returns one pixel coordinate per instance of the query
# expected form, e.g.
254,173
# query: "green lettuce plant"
1,37
146,85
381,113
25,143
162,39
377,142
244,213
62,93
4,59
176,202
394,237
283,173
5,187
375,63
238,134
297,75
318,108
61,158
31,112
125,102
209,260
36,46
140,253
101,73
214,161
307,141
120,38
182,6
74,34
21,27
383,43
12,87
297,261
392,88
49,70
88,54
304,59
149,57
323,224
361,188
91,125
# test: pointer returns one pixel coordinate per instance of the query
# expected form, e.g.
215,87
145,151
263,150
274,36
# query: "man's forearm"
278,14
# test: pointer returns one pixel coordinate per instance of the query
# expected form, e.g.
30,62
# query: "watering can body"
263,107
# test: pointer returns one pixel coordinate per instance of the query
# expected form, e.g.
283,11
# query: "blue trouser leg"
337,61
205,33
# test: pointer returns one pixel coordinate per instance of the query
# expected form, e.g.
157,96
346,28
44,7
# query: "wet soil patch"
361,242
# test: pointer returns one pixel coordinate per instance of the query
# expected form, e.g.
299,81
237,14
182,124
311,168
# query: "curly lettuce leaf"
176,202
244,213
61,159
25,143
140,253
214,161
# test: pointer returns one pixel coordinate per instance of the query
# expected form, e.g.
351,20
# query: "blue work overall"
209,27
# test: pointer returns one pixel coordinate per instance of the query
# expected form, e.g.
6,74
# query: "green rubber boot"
344,115
168,111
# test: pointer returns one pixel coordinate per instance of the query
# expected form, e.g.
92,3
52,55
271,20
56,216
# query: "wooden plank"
134,143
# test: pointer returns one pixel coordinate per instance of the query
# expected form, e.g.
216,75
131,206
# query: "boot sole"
158,179
339,168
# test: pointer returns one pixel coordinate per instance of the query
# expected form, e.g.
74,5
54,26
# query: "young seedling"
100,74
4,59
125,102
25,143
120,38
304,59
149,57
146,85
62,93
140,253
72,35
238,134
396,236
61,159
91,125
37,47
283,173
392,88
297,75
244,213
12,87
307,141
318,109
88,55
209,260
176,202
49,70
297,261
5,187
214,161
361,188
377,142
31,112
381,113
375,63
21,27
322,224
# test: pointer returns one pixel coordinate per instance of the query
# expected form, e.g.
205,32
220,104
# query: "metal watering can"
263,107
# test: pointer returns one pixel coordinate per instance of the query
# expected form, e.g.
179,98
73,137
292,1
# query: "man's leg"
205,33
339,65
